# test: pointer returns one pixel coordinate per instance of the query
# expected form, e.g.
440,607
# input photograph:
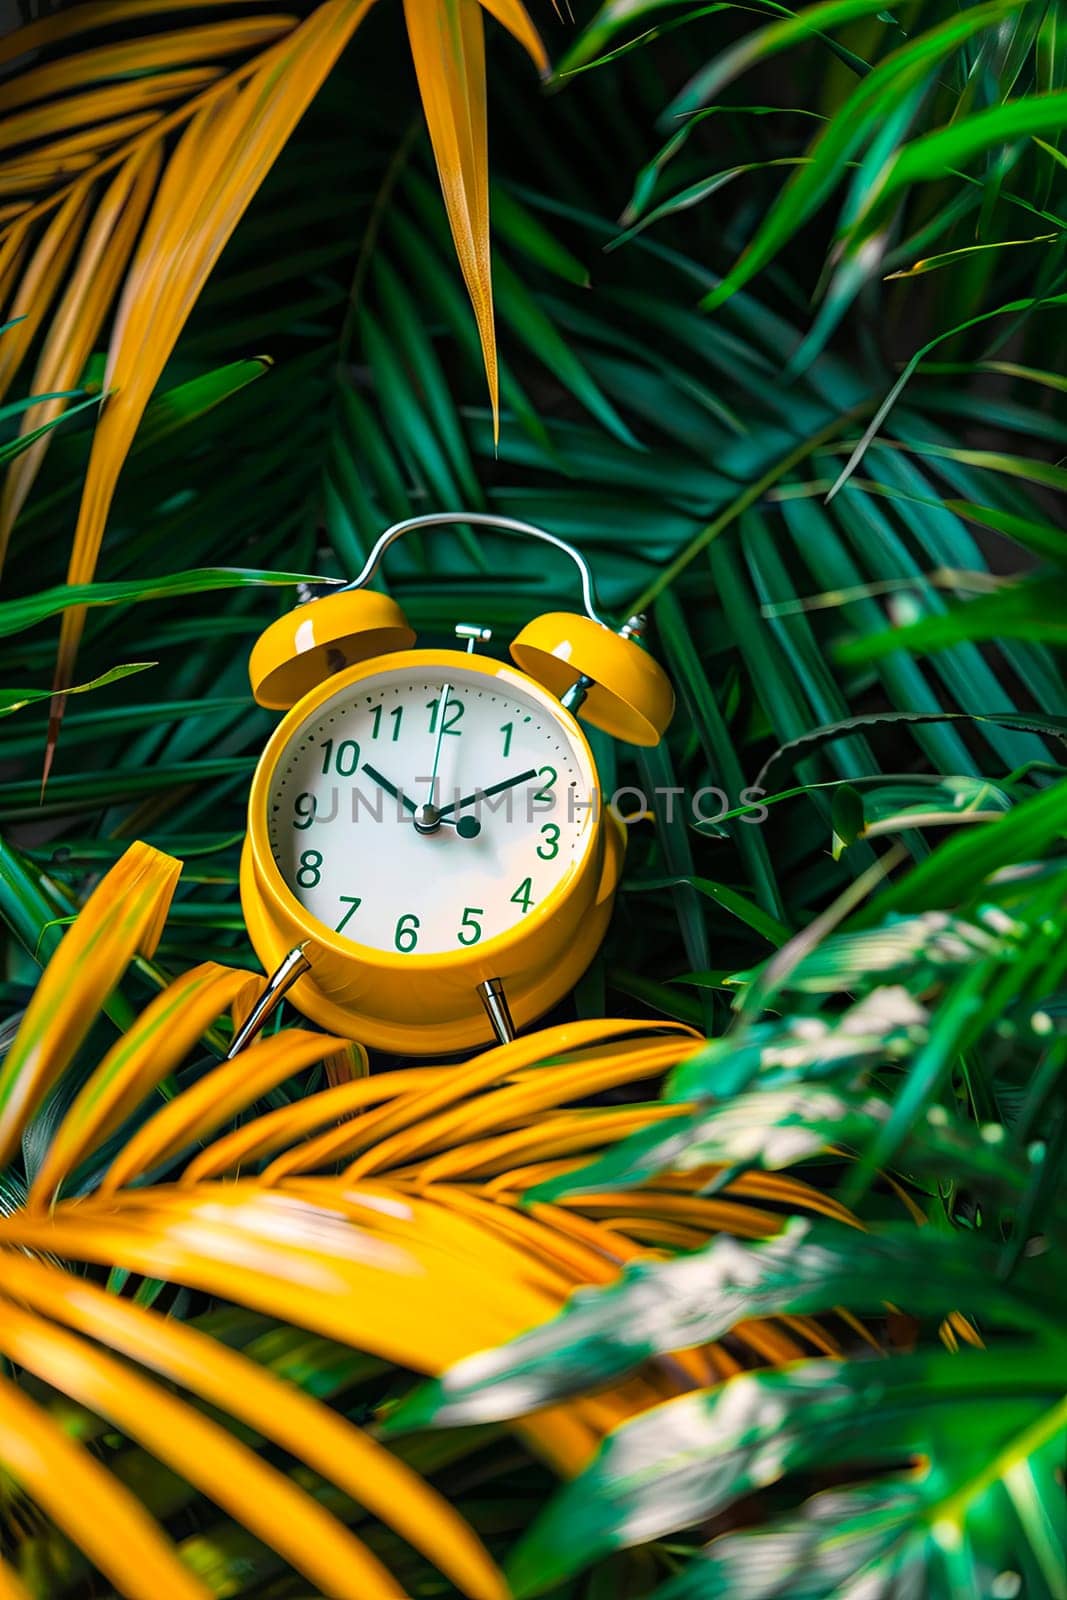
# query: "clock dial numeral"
523,895
549,849
507,730
544,795
395,716
470,929
304,808
353,902
406,936
343,761
453,715
310,869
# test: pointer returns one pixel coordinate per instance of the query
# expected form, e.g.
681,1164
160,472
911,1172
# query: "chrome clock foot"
491,993
291,967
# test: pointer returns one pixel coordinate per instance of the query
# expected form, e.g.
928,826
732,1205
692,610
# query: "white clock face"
378,855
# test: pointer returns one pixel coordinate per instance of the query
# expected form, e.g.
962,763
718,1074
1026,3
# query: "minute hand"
486,794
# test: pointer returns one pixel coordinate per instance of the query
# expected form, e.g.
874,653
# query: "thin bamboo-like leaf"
124,914
1034,723
260,1497
448,46
934,154
147,1053
16,447
88,1503
309,1430
15,615
1034,610
514,16
14,699
950,258
871,431
1045,539
222,1093
175,408
902,72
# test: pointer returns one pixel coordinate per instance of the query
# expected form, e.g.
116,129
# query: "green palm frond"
945,1466
777,304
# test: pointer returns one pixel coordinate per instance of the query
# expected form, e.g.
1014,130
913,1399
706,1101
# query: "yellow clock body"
422,823
430,862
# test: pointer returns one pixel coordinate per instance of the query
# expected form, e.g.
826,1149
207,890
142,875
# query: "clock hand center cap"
427,819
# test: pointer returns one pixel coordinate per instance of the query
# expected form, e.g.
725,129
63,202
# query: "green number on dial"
507,730
353,902
310,869
523,895
396,714
453,714
346,759
470,929
550,834
406,936
304,807
544,794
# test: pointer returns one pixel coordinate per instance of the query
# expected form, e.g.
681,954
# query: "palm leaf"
361,1260
279,1411
205,1453
759,1428
95,954
906,1063
87,1502
160,225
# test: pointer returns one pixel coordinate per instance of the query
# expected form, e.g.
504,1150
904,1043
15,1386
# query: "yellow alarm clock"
429,860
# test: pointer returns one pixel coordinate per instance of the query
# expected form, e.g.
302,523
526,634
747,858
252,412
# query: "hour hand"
390,788
487,794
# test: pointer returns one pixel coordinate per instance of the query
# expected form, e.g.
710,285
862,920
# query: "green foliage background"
808,390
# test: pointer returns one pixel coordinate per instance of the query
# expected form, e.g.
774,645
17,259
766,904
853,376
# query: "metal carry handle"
482,519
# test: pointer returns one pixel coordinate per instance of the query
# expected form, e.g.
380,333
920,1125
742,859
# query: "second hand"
428,817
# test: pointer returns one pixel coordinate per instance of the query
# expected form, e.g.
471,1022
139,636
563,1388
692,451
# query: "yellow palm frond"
88,1503
422,1252
124,915
124,169
448,46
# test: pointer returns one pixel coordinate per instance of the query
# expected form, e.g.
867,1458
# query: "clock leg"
491,993
280,981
